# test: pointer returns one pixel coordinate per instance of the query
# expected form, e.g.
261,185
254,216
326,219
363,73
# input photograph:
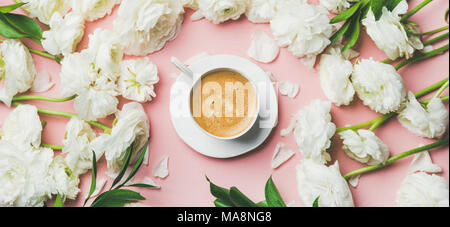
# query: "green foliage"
16,26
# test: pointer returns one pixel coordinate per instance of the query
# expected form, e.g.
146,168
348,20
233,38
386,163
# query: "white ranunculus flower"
23,128
145,26
336,6
399,44
430,122
44,9
316,180
261,11
24,180
190,4
79,135
64,181
335,72
137,80
313,131
132,127
219,11
304,28
92,75
93,9
423,190
365,147
64,34
16,68
378,85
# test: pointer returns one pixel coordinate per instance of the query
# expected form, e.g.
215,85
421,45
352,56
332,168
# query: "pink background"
186,184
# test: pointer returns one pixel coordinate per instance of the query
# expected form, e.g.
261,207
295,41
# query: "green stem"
426,102
53,147
396,158
434,31
42,98
423,56
435,40
373,124
67,115
28,11
45,54
442,89
415,10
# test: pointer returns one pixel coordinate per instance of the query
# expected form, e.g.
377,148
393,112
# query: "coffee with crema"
224,103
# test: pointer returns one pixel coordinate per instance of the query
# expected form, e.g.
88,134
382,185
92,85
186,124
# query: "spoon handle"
182,67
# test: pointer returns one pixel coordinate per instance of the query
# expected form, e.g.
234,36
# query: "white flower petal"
281,155
161,169
42,83
422,163
263,48
316,180
145,26
378,85
423,190
288,89
336,6
354,181
64,181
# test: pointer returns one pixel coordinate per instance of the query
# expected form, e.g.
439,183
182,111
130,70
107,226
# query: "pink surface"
186,184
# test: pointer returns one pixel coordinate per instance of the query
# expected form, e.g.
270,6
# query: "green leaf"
346,14
354,35
263,204
8,31
143,186
124,167
219,203
58,201
138,164
117,198
25,24
316,202
94,178
336,36
239,199
377,8
273,196
9,8
220,193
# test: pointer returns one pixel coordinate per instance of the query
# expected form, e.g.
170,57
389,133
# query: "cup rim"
258,106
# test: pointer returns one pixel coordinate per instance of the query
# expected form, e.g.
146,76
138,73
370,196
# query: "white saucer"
198,140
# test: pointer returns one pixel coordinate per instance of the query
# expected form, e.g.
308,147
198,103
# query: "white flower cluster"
302,27
131,128
145,26
29,175
16,68
44,9
219,11
313,131
337,6
399,43
364,146
430,122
